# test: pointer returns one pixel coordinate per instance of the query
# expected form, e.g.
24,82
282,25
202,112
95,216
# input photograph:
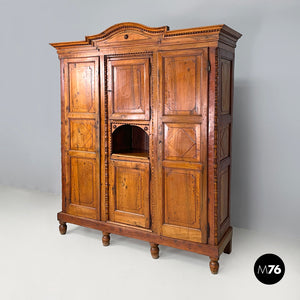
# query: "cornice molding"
162,32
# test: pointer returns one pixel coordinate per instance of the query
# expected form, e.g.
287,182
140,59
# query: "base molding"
148,235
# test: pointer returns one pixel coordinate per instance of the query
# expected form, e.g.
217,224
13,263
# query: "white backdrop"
266,131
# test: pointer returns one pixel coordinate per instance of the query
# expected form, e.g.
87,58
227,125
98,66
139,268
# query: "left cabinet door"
80,137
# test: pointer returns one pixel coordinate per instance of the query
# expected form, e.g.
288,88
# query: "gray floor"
36,262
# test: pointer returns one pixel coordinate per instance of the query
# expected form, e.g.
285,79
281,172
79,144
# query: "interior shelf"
130,141
139,154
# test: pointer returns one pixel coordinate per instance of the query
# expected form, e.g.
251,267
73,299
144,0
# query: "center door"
128,90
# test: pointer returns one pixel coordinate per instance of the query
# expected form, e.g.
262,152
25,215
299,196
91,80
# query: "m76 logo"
272,268
269,268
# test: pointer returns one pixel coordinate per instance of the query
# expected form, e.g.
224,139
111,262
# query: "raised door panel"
224,144
129,193
81,83
184,211
82,195
224,195
226,82
80,137
129,88
182,142
183,81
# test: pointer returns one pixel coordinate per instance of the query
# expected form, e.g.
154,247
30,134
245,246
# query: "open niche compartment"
131,141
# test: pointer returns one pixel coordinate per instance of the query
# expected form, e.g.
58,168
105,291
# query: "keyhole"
126,36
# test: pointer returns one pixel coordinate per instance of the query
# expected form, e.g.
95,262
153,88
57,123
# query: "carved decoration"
216,162
106,145
144,126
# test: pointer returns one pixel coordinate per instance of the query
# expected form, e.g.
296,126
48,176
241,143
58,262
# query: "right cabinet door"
182,146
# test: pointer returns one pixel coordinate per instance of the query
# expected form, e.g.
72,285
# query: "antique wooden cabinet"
146,118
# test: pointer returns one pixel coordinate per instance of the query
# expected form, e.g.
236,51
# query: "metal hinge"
208,66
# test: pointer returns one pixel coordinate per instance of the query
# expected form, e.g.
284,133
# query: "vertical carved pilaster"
216,141
106,146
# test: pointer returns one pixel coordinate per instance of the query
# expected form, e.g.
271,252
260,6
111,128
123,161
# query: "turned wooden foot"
105,239
228,247
154,250
62,227
214,265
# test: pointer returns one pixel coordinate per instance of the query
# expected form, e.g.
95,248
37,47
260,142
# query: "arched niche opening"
130,140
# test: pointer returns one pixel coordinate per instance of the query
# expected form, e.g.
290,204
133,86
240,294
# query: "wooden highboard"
146,119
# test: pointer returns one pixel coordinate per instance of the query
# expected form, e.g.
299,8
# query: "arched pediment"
127,31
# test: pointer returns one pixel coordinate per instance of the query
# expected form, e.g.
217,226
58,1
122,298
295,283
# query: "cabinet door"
128,87
183,97
80,137
129,193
